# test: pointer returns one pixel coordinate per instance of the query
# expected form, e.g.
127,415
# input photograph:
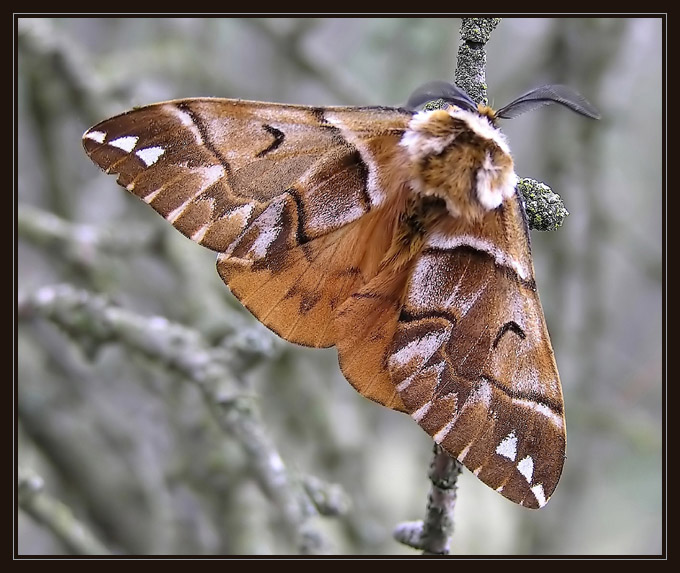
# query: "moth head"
457,152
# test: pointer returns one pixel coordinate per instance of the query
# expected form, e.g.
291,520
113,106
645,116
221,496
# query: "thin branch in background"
56,516
328,498
215,371
80,244
290,47
46,43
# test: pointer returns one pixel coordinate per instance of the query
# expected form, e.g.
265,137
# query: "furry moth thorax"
459,156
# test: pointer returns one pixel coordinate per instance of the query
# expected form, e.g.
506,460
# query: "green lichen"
544,208
478,29
435,104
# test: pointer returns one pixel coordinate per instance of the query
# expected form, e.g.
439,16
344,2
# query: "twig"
56,516
471,65
215,371
433,535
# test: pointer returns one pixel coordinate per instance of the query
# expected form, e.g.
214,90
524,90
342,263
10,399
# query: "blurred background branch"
92,322
56,516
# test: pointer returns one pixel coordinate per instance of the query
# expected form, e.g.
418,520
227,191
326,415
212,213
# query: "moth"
394,234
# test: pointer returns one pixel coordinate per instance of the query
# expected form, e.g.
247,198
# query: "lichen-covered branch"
471,65
215,371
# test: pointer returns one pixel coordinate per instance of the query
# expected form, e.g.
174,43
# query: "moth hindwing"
396,236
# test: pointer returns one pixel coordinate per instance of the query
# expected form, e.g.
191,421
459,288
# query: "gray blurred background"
132,449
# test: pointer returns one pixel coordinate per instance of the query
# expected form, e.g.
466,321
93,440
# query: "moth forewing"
396,236
275,189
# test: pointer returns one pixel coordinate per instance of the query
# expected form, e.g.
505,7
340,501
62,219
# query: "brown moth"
393,234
